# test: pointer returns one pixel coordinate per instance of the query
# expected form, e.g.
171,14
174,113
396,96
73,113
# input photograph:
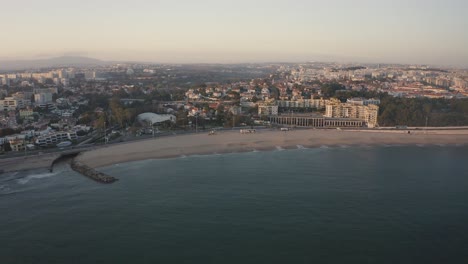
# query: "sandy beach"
233,141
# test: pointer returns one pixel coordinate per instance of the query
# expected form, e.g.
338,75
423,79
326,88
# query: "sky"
222,31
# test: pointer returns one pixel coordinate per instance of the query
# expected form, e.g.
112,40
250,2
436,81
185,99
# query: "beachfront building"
319,122
304,103
368,113
54,138
17,142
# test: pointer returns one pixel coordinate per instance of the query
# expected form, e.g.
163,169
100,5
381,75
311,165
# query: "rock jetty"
91,173
63,157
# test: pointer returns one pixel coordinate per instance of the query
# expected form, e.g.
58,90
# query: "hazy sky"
407,31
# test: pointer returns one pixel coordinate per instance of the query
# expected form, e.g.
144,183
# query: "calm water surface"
326,205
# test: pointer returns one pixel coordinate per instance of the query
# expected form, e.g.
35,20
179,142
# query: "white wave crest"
36,176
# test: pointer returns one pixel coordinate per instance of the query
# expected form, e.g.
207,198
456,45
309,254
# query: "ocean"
324,205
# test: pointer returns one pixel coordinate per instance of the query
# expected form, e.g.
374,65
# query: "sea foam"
36,176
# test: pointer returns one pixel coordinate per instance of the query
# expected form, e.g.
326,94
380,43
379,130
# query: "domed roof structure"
155,118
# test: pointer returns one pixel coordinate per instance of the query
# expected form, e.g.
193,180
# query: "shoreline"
233,142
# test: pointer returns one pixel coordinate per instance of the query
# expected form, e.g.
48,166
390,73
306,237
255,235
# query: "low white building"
155,118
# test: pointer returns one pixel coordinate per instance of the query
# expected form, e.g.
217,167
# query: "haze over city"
415,32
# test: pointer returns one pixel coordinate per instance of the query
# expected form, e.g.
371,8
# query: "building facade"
55,138
368,113
267,110
319,122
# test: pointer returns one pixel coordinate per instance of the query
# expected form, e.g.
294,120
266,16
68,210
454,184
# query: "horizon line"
20,60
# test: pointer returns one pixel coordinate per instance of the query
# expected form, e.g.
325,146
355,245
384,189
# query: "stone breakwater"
92,173
63,157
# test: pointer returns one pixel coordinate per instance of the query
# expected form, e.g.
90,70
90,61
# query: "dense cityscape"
242,131
98,104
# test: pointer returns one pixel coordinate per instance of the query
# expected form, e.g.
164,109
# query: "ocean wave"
301,147
279,148
4,188
28,178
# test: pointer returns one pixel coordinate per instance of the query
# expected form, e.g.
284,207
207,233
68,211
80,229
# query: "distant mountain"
66,61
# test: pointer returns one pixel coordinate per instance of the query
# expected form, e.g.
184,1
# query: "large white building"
303,103
43,98
368,113
55,138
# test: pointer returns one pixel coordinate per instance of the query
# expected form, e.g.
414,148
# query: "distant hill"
66,61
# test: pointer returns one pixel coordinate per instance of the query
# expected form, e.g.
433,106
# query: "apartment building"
11,104
303,103
367,113
268,110
55,138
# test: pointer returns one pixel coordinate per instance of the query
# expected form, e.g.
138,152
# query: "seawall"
63,157
91,173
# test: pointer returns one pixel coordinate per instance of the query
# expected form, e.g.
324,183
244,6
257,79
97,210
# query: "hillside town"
65,107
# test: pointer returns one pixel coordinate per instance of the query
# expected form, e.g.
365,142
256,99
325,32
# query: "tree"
329,89
274,92
220,117
118,112
181,118
101,122
7,131
130,115
7,146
